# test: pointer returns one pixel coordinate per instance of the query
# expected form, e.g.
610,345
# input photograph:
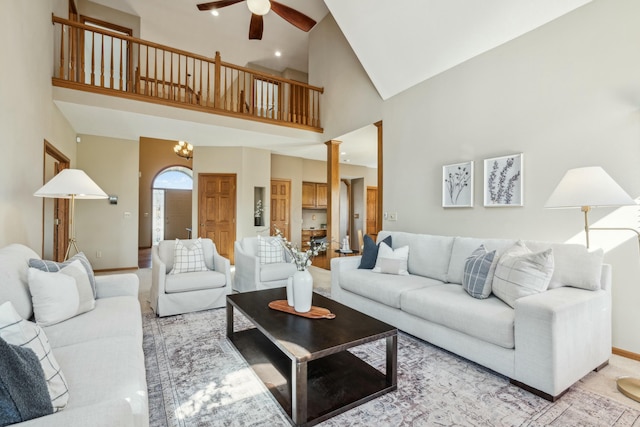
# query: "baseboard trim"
111,270
625,353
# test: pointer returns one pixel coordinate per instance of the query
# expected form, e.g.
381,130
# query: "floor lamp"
585,188
71,184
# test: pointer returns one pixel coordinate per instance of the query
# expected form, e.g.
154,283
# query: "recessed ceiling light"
343,153
215,13
278,53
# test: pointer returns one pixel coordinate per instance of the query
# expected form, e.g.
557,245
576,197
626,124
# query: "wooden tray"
314,313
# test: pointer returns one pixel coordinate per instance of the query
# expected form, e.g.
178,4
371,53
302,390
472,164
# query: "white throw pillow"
520,273
188,260
17,331
576,266
392,261
85,291
270,251
54,295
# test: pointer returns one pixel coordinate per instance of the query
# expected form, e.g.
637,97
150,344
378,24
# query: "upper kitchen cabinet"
314,195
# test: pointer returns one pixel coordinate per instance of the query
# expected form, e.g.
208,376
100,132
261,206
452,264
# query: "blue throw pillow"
370,252
23,389
478,273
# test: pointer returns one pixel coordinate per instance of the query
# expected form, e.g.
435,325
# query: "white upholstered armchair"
186,292
261,263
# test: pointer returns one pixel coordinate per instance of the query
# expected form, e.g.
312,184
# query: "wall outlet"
393,216
385,215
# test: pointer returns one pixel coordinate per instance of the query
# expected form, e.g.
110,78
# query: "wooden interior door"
56,220
372,211
281,206
217,211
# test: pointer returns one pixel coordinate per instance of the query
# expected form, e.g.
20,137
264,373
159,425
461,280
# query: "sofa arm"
560,336
222,265
338,265
117,285
247,274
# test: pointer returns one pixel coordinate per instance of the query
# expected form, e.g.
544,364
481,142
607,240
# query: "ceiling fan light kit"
259,7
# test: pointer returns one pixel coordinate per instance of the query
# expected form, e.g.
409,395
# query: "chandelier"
184,149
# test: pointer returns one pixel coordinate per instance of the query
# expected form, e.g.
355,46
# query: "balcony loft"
100,61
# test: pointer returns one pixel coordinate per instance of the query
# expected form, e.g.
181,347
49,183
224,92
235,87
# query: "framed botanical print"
457,185
503,181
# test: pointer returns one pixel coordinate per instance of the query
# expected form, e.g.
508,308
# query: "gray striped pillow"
52,267
478,273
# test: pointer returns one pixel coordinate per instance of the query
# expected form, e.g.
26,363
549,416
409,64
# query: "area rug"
197,378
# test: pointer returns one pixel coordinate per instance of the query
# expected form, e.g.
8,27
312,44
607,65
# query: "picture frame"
457,185
503,181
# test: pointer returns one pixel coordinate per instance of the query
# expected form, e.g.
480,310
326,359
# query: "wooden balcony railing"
97,60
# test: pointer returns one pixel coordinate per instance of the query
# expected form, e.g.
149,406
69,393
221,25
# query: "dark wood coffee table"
304,362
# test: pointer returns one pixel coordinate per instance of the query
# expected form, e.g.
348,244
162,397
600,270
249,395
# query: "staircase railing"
98,60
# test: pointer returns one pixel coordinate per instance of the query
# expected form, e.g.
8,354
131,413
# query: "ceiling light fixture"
184,149
259,7
278,53
215,13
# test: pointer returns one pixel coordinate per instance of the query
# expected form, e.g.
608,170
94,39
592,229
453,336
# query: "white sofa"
99,352
251,274
547,342
172,294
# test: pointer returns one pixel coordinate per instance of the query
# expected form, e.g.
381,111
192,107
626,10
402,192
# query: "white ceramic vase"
290,291
302,284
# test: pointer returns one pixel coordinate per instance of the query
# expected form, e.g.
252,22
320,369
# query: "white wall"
110,231
566,95
27,118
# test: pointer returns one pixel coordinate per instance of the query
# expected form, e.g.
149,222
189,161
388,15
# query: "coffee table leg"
229,320
298,392
392,361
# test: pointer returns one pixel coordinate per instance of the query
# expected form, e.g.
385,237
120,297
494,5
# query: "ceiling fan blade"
256,27
217,4
292,16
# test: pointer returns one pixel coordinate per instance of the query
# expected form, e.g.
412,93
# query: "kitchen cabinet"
307,235
314,195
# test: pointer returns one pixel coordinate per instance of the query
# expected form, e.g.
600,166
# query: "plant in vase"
300,285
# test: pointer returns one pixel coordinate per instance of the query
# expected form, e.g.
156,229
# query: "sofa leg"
602,366
537,392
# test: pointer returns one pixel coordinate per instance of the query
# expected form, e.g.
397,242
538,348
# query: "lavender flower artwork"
457,185
503,181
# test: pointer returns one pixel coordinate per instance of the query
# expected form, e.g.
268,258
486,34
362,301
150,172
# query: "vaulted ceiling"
399,44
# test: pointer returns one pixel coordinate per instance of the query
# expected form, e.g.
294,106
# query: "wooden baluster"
93,58
171,77
138,88
200,87
216,82
120,86
111,66
61,68
82,77
164,80
101,60
72,70
155,70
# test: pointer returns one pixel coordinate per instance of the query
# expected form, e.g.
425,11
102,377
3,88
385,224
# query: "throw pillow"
478,273
54,295
520,273
370,252
17,331
53,266
392,261
188,260
23,389
270,251
85,293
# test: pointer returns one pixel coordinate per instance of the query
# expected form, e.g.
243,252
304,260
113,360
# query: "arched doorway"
172,203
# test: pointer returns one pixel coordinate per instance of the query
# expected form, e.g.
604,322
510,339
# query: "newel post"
216,82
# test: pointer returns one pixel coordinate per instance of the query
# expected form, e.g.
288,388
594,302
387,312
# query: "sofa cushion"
112,317
478,272
23,389
392,261
52,266
105,370
273,272
521,272
188,258
462,249
429,255
370,252
574,265
14,266
17,331
194,281
489,320
382,288
270,250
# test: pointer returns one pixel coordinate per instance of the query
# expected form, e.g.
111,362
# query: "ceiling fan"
259,8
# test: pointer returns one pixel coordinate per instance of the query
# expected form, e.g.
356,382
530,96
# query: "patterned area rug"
197,378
